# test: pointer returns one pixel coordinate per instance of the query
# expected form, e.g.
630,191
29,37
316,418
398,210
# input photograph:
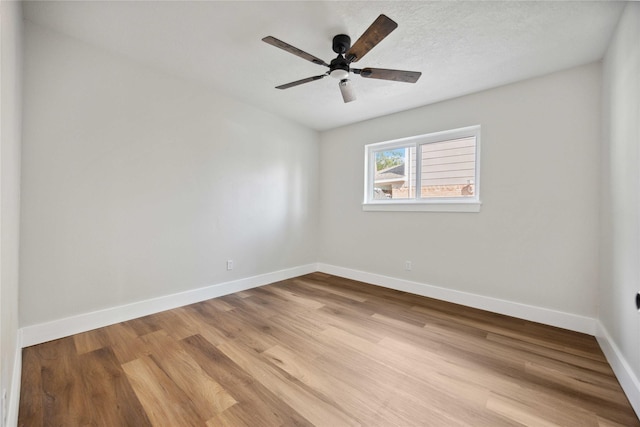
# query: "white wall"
534,241
620,254
137,184
10,125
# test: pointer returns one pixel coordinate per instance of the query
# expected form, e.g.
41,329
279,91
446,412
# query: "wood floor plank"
64,400
322,350
257,404
240,325
177,323
90,340
162,399
602,422
587,363
208,397
115,403
517,413
31,404
308,372
143,325
319,409
330,290
543,340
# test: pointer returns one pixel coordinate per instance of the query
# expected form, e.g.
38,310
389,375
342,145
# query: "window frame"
418,203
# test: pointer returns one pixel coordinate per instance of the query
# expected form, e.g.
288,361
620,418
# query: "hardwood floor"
325,351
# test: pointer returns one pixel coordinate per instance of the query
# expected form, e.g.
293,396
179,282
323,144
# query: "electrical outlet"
407,265
229,264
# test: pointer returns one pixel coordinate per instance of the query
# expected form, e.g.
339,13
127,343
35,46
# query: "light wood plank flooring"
325,351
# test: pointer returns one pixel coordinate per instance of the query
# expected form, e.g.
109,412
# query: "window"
433,172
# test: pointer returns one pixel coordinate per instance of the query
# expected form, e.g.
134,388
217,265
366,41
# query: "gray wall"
620,205
10,125
535,239
137,184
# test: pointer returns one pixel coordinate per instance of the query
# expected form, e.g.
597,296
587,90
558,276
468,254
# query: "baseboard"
43,332
39,333
16,379
545,316
628,380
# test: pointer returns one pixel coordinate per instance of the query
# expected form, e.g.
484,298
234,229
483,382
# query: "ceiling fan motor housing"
341,43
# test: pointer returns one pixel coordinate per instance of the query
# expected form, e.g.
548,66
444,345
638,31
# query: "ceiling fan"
339,67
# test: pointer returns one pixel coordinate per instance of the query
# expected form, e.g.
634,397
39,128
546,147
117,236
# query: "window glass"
412,173
394,169
448,168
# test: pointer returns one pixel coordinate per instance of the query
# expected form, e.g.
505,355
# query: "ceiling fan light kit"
339,74
346,88
339,67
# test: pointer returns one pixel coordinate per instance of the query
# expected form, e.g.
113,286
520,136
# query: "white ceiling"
460,47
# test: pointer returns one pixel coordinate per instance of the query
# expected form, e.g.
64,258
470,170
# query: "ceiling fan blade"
299,82
384,74
291,49
377,31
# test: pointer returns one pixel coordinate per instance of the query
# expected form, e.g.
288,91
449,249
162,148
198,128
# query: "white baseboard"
628,380
39,333
545,316
16,378
43,332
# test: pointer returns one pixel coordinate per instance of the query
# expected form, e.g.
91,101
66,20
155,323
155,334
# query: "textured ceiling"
460,47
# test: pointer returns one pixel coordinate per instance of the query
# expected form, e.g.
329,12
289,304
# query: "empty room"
320,213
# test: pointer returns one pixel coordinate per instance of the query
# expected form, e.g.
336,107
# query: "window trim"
440,204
